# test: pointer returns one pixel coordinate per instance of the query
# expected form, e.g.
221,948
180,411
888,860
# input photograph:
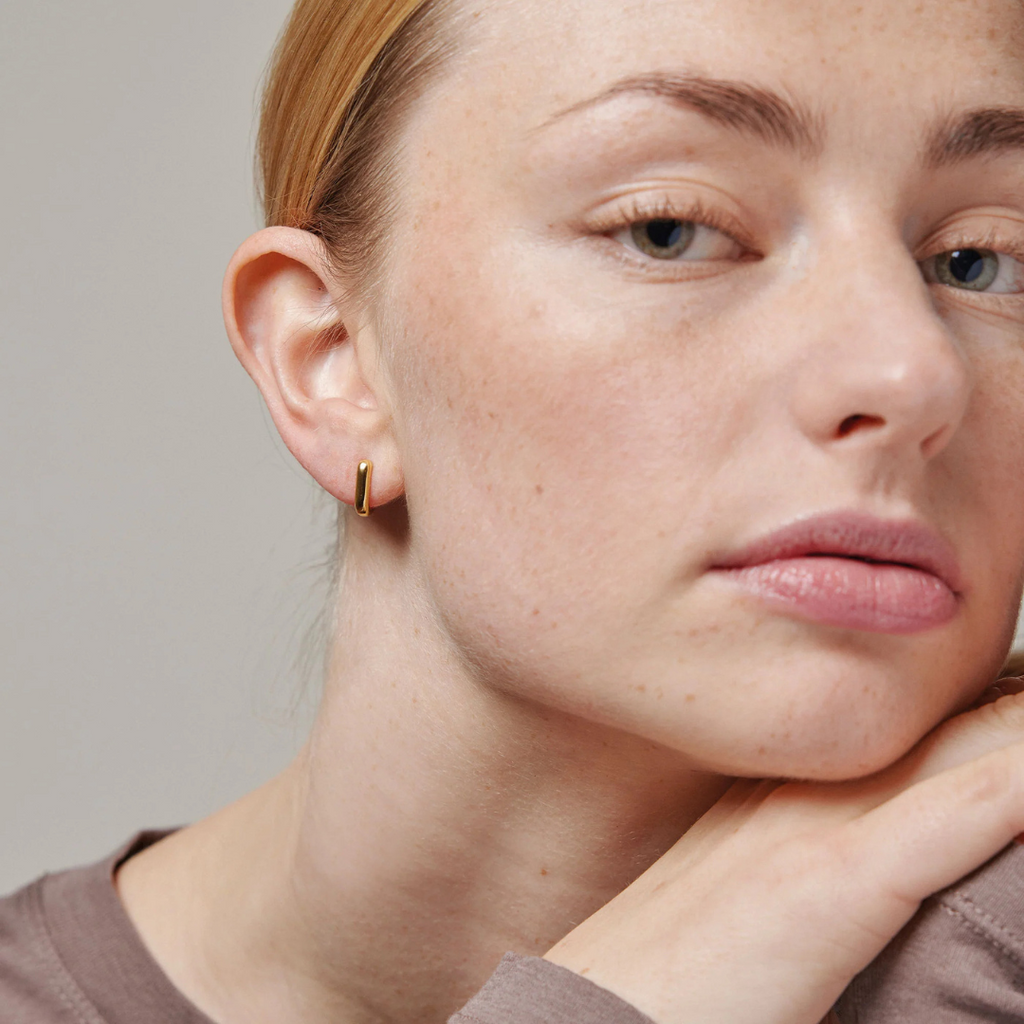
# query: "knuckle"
990,726
840,855
1006,713
990,778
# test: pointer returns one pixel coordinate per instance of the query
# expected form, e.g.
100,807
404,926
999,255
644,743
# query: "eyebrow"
740,106
771,117
987,131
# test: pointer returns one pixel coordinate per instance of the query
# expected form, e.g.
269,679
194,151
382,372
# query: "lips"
853,571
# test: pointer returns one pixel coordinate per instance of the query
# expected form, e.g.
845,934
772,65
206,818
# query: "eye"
976,270
669,238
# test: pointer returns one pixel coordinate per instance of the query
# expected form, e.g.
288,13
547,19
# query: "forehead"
528,59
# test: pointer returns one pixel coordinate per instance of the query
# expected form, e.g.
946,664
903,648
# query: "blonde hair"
342,74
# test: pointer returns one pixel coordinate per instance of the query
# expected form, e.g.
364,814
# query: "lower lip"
843,592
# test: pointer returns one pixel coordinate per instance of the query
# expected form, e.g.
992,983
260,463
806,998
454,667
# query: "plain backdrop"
158,547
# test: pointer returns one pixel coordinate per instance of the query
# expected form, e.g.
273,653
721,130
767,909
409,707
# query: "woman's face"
672,276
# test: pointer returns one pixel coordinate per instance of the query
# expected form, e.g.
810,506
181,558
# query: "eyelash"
992,240
637,209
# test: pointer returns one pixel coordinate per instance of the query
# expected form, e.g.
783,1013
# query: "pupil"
966,265
664,233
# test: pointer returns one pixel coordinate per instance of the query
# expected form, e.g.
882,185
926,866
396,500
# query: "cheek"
985,486
554,442
568,462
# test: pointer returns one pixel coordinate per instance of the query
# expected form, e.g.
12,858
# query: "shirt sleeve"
960,959
529,990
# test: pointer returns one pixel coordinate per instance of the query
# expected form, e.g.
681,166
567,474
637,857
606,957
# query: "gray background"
158,550
157,544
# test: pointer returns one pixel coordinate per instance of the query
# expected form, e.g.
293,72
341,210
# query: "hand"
765,910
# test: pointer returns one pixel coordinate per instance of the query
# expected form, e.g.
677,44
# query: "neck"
430,824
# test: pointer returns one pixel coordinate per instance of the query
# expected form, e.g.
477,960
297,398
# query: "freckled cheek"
990,485
561,453
542,396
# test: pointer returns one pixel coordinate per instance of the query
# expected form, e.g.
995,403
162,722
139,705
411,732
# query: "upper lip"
854,535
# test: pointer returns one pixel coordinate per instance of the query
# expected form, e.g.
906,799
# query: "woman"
674,350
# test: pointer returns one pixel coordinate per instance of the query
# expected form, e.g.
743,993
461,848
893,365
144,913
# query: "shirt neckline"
101,949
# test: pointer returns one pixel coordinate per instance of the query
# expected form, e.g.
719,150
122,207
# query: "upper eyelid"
993,236
632,208
968,240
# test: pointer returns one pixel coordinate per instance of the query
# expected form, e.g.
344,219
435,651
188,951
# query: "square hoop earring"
364,474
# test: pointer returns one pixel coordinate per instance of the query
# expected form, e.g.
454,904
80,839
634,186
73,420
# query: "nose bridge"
879,367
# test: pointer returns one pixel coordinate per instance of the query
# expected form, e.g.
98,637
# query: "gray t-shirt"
70,955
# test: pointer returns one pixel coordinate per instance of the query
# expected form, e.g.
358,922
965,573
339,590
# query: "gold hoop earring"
364,474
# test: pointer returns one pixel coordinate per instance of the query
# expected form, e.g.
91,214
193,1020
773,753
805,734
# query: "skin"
537,685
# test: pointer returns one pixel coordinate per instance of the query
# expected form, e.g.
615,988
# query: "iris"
663,238
974,269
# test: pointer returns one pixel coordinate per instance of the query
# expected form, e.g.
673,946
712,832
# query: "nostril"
858,421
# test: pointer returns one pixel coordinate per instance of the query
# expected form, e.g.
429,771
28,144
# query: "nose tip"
896,379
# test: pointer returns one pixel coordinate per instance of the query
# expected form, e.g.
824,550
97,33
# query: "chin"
855,731
817,715
838,759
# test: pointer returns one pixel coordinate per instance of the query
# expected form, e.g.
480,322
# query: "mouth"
853,571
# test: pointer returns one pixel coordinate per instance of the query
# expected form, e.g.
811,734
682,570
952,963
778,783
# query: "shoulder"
34,983
70,955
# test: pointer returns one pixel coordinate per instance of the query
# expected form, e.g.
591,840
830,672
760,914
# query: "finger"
798,807
933,834
992,726
996,723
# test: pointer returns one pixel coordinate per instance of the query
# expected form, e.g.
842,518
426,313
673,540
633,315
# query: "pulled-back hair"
341,76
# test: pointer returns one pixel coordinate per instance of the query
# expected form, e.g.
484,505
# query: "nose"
878,367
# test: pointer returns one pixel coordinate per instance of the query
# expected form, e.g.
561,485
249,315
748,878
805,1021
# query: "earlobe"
294,329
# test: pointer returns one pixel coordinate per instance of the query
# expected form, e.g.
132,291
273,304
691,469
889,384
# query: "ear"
295,329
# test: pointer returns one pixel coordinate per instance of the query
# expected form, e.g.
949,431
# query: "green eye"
974,269
663,238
